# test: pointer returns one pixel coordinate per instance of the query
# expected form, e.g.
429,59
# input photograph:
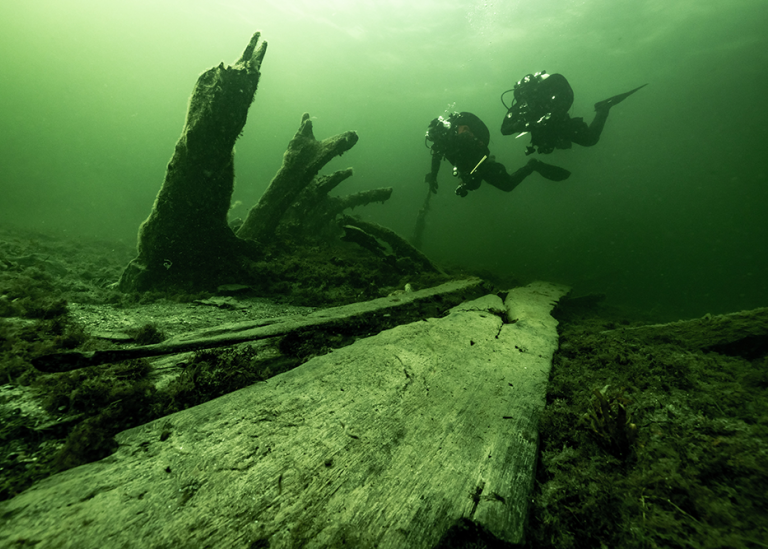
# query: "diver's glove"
468,184
431,180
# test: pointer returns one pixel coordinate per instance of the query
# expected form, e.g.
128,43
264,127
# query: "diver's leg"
496,174
616,99
548,171
588,136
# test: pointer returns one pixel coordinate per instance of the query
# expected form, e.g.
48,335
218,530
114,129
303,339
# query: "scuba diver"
462,139
540,107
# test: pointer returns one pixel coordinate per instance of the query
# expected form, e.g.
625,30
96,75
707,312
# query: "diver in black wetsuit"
541,107
462,139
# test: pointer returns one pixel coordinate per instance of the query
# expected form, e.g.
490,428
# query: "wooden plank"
385,443
356,318
708,332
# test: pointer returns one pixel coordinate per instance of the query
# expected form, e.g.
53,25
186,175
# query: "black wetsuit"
541,108
560,132
463,141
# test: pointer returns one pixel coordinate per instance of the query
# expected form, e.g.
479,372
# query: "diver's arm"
431,177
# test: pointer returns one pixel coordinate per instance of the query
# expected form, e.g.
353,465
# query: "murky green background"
668,213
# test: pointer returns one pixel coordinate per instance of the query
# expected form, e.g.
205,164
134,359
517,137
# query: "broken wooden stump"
385,443
302,161
186,242
314,211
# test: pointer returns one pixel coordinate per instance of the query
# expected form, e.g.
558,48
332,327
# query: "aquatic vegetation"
694,473
213,373
147,334
608,419
30,293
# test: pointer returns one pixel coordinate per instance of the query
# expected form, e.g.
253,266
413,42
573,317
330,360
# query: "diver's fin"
548,171
616,99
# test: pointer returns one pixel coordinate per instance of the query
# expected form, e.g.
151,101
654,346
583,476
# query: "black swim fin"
548,171
616,99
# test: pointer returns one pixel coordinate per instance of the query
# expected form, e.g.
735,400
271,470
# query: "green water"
667,213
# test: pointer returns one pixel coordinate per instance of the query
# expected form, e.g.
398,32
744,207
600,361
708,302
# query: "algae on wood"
186,242
301,163
721,333
355,319
388,442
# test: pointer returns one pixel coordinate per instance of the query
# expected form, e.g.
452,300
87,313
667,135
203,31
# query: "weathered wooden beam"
354,319
708,332
385,443
400,246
